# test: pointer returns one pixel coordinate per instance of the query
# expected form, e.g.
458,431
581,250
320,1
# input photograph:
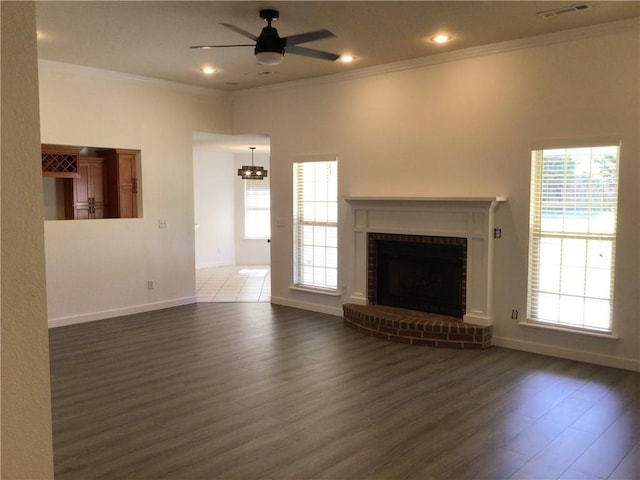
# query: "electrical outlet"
514,314
150,284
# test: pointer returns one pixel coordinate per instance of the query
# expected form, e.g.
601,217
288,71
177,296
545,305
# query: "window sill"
588,333
330,293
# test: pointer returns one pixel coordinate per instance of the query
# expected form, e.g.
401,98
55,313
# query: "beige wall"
99,269
26,451
466,128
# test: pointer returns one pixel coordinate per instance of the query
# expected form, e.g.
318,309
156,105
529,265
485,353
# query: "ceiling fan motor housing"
269,41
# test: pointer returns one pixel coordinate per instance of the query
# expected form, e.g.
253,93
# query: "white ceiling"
151,38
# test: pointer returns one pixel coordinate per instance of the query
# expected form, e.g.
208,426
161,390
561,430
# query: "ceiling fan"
270,47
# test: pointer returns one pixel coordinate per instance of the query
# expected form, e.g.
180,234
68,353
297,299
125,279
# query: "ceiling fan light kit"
270,47
269,58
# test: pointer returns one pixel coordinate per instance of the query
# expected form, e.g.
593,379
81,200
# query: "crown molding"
458,55
91,72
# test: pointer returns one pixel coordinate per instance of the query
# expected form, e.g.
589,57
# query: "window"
316,224
257,208
572,237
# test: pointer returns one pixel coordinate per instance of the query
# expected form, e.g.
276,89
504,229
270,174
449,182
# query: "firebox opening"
422,276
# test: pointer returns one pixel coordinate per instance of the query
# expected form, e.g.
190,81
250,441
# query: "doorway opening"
232,219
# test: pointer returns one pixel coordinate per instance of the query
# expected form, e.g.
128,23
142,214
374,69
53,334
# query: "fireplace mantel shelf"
427,199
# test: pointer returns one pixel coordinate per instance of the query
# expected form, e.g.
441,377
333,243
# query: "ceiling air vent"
563,10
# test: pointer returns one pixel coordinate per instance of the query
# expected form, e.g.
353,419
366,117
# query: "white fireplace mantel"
464,217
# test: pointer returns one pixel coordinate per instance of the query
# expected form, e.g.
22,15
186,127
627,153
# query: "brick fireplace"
454,292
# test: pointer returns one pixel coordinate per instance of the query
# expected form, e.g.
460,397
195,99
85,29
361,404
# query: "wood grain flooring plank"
611,447
258,391
557,457
629,467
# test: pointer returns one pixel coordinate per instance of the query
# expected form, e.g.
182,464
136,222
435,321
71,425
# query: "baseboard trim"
313,307
570,354
119,312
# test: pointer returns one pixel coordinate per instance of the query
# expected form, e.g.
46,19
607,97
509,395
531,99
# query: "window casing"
572,237
257,209
316,224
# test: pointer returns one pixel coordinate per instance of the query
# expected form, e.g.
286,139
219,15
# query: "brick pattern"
372,258
415,328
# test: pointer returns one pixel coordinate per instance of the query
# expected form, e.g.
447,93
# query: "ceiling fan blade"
242,32
206,47
307,37
310,52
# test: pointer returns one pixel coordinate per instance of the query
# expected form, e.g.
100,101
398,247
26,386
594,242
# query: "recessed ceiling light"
347,58
208,70
441,38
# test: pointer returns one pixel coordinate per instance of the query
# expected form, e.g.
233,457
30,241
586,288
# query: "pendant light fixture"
251,172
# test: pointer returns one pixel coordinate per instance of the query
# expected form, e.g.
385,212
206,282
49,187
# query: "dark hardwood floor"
257,391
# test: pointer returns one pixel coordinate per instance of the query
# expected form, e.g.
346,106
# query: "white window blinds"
257,208
572,237
316,224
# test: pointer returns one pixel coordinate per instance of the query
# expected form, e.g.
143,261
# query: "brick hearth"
415,328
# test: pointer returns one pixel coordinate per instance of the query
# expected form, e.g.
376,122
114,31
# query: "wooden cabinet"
85,195
121,182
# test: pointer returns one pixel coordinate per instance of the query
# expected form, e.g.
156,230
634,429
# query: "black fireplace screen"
421,276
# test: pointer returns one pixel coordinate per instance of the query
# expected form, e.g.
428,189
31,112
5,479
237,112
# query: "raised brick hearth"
415,328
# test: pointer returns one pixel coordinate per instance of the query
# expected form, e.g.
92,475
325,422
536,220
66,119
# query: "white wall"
99,268
249,251
214,200
25,428
465,127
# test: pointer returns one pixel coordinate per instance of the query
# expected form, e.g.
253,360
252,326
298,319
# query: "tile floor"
234,283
